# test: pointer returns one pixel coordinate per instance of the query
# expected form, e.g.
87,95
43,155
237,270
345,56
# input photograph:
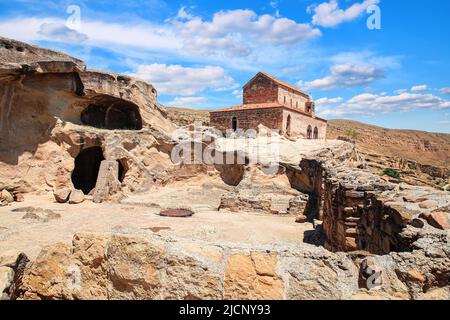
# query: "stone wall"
361,211
351,222
300,122
247,119
292,99
236,202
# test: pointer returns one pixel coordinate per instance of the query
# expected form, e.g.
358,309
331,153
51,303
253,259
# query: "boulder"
301,219
62,195
76,197
19,197
428,204
6,278
438,220
6,196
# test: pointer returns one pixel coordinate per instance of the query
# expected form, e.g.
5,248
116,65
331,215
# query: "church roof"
279,82
271,105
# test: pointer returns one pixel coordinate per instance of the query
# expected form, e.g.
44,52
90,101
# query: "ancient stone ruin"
87,167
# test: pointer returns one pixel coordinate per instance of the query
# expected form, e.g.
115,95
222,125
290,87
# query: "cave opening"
113,114
87,165
123,168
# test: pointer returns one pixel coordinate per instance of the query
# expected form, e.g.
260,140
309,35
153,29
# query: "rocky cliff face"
121,266
52,109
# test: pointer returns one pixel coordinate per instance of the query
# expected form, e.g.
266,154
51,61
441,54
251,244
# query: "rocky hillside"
185,116
416,157
420,146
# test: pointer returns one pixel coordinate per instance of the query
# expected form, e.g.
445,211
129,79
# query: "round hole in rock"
87,165
111,113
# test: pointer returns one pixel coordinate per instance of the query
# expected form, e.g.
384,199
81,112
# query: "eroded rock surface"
120,266
53,109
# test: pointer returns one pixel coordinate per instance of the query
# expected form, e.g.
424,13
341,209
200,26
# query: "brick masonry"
248,119
291,111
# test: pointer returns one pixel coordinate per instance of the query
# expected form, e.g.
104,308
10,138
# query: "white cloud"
238,94
445,90
239,26
369,104
420,88
60,32
187,102
328,101
234,33
102,34
367,57
185,81
328,14
293,69
344,76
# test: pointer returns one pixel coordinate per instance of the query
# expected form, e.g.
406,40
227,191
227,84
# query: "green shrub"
392,173
353,134
411,166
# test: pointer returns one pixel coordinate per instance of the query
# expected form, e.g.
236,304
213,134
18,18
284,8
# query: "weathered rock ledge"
124,266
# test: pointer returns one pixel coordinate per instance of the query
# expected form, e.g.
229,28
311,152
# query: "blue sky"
199,54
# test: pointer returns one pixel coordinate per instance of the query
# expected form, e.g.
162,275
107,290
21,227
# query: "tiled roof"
272,105
251,107
280,82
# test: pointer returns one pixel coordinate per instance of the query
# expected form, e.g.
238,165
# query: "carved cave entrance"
85,173
113,114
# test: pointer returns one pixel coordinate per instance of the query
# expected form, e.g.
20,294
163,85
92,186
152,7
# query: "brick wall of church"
261,90
291,99
247,119
300,123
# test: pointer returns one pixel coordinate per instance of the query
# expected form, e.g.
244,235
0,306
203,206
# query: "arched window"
296,104
309,133
288,125
291,102
284,99
234,124
316,133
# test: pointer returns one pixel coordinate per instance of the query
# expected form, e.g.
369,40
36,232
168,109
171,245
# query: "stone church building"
274,104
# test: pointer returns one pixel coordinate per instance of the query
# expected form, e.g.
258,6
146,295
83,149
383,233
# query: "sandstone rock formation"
119,266
59,120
